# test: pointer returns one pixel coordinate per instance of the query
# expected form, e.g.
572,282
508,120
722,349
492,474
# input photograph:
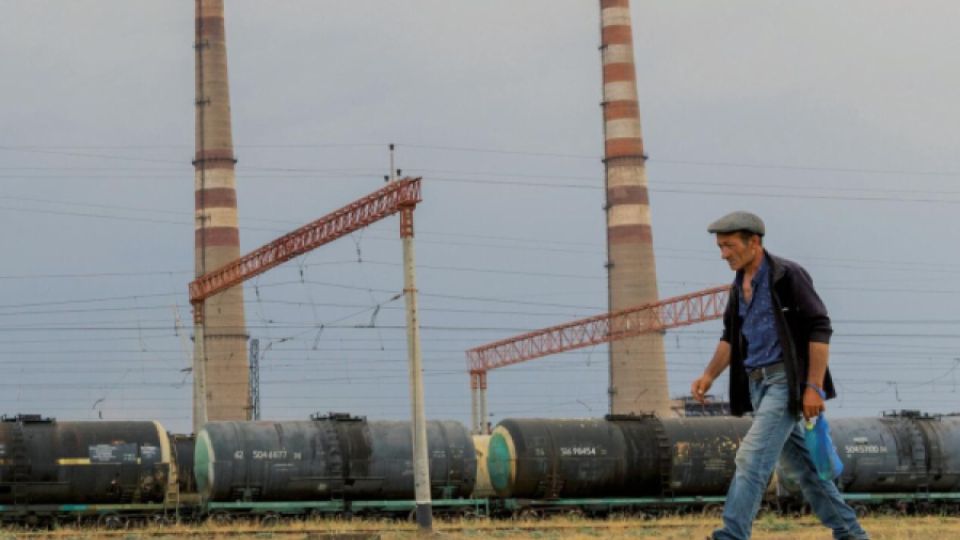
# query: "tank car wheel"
574,513
112,522
270,519
470,514
860,509
162,520
713,510
897,509
220,518
528,513
32,521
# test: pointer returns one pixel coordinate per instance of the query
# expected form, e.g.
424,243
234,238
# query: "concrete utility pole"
638,370
220,339
421,462
199,378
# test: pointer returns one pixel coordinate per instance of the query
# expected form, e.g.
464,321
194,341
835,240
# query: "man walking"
775,340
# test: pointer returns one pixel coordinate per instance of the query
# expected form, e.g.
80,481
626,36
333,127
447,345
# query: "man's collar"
776,268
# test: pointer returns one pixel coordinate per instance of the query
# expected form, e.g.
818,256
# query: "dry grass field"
685,528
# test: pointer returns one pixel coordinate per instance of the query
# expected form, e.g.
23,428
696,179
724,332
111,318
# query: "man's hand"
719,362
812,404
700,387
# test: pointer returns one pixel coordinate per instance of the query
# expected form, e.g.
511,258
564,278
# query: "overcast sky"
835,121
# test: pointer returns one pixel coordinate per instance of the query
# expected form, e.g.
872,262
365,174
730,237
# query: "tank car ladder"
664,456
172,496
21,464
172,501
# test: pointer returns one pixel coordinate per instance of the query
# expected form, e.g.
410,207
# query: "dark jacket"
801,318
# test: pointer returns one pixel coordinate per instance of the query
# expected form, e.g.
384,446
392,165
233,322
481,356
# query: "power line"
36,150
806,168
65,150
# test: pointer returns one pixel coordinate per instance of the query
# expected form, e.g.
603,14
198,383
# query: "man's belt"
761,373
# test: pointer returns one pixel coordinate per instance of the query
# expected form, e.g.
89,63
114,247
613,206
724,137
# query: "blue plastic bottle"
817,439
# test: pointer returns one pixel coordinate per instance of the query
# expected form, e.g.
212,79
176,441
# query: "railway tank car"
901,452
328,457
619,456
44,461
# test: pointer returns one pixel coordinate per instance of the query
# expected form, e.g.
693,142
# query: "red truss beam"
674,312
382,203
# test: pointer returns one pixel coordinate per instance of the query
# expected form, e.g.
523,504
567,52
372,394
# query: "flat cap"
738,221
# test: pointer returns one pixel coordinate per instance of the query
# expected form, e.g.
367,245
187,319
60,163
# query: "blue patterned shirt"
759,327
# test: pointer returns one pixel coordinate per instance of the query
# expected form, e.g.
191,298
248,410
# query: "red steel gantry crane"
675,312
382,203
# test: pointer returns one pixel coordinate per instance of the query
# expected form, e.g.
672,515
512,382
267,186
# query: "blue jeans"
776,433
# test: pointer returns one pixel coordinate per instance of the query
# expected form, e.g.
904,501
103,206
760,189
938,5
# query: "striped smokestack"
638,373
217,236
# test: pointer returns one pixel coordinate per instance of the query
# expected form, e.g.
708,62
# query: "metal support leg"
474,404
484,420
